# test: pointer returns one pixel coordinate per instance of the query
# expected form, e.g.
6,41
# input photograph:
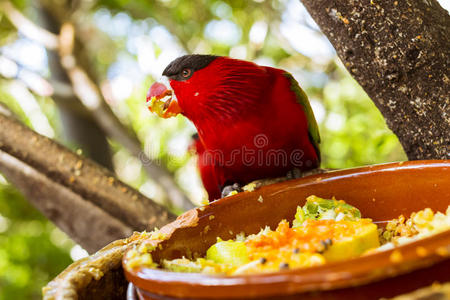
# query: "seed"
284,265
262,260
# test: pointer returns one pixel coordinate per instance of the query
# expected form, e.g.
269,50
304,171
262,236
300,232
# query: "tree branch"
28,28
399,52
68,188
84,222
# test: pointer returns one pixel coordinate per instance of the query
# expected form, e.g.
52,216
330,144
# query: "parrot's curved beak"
162,100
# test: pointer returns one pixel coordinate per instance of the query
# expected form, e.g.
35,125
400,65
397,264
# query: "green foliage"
32,250
354,132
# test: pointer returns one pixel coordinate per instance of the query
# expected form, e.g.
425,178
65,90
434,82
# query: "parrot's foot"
232,189
293,174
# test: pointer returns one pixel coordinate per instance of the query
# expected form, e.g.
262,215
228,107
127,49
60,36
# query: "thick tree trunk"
399,52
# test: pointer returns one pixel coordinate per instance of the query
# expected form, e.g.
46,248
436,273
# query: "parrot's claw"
232,189
293,174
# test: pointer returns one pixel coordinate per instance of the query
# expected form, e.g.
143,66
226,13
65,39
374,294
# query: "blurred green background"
124,46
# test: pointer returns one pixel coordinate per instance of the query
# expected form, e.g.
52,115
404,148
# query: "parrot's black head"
184,66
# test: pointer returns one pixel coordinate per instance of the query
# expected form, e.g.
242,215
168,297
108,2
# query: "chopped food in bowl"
323,230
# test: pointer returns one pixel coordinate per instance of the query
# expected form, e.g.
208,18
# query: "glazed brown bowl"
381,192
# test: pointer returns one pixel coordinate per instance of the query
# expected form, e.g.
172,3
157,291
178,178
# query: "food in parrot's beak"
162,101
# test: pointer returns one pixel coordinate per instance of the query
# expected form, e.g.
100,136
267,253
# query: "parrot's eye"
186,73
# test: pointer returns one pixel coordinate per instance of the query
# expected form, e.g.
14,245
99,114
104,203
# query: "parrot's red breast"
253,122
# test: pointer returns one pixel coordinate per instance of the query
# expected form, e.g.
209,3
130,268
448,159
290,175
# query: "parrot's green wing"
302,99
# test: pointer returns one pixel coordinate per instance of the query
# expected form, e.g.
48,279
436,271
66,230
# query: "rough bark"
399,52
68,188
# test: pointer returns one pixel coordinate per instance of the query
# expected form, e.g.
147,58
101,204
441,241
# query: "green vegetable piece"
317,208
228,252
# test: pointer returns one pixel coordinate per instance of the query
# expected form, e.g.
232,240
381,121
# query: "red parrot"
253,121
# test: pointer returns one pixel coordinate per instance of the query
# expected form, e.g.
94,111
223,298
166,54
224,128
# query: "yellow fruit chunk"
365,238
228,252
156,106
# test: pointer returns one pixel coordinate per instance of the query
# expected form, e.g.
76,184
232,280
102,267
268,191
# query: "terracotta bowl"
381,192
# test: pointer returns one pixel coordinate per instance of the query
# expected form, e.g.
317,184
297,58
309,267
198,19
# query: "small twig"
28,28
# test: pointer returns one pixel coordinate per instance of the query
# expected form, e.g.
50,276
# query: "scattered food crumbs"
211,217
249,187
79,164
97,273
206,229
260,199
